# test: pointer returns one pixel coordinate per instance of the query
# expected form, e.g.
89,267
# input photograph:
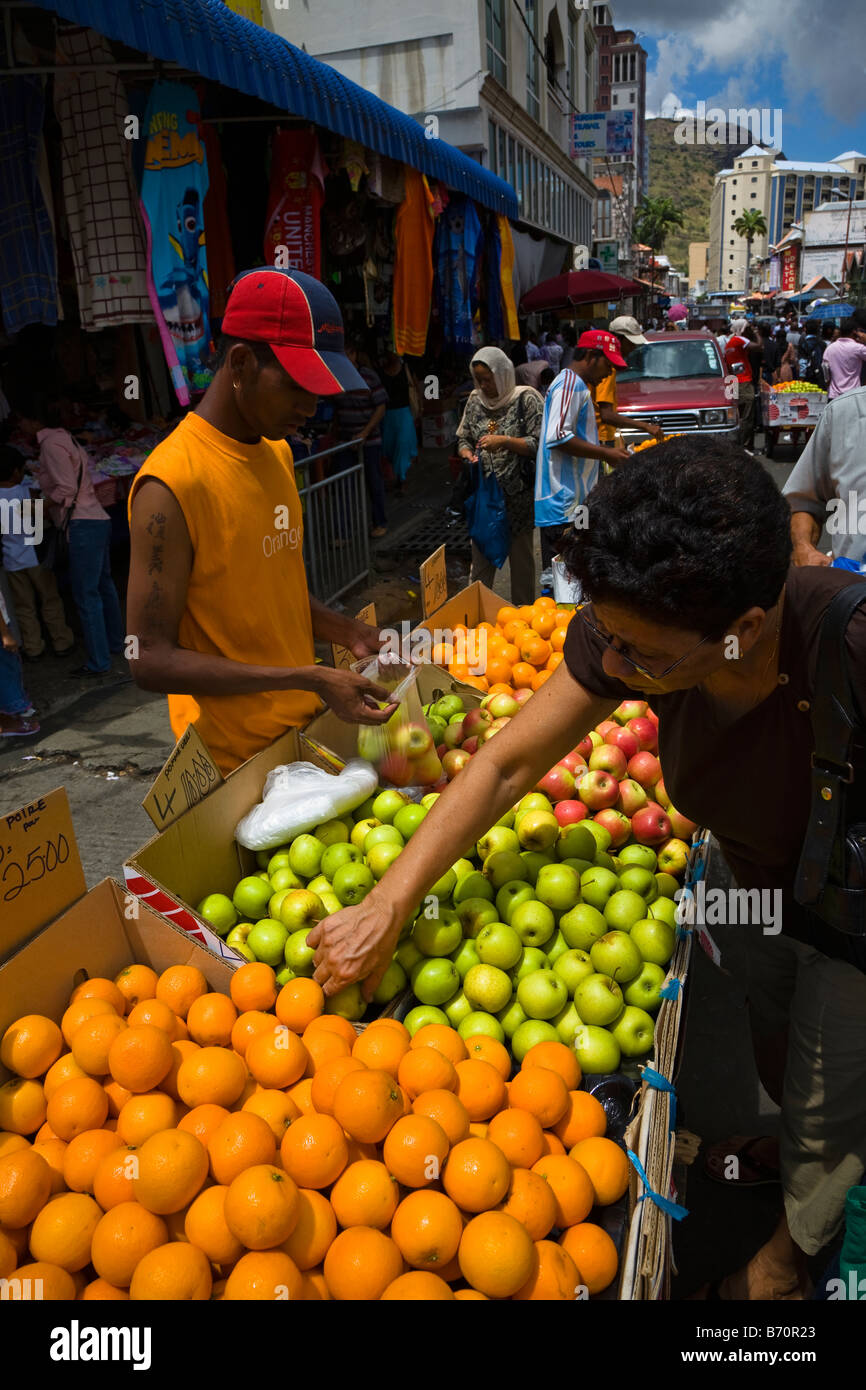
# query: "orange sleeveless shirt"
247,597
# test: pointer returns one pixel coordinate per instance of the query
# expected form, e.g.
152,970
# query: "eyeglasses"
621,649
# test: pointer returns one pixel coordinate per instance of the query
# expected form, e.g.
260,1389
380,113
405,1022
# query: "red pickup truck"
677,380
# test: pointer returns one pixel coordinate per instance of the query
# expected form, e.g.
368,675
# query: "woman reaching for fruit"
692,604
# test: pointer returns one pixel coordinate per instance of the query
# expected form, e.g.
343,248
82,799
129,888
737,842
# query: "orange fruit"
360,1264
426,1228
43,1134
156,1013
277,1059
326,1080
556,1057
607,1166
248,1026
179,986
144,1115
298,1003
241,1141
476,1175
31,1045
77,1106
211,1076
313,1151
505,614
366,1194
261,1207
418,1284
530,1200
522,675
9,1143
512,656
542,1092
135,983
571,1188
253,986
484,1049
79,1013
381,1048
275,1108
593,1252
314,1230
117,1097
495,1254
478,1130
480,1089
83,1155
585,1116
22,1106
441,654
332,1023
539,679
140,1058
203,1121
172,1167
459,670
513,629
114,1177
54,1152
367,1104
415,1150
543,623
25,1186
552,1144
205,1226
518,1134
426,1069
557,638
301,1095
100,988
498,670
54,1284
123,1236
500,688
101,1290
211,1019
445,1040
176,1272
533,649
446,1110
181,1048
63,1230
554,661
263,1276
555,1277
324,1046
64,1069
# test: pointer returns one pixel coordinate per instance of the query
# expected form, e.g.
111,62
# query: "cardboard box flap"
434,582
188,776
473,605
40,868
341,656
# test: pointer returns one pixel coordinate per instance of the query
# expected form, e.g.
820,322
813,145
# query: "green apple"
558,886
391,983
408,818
435,980
408,955
301,908
438,936
444,886
641,855
639,880
498,944
319,885
219,912
533,801
510,896
598,1000
582,926
251,897
556,947
381,857
238,935
567,1022
526,1035
361,830
276,902
616,955
262,857
504,866
533,958
278,860
348,1003
580,866
383,835
596,886
667,885
511,1018
298,955
576,842
332,832
634,1030
664,910
533,921
263,873
506,820
267,941
465,956
535,860
387,804
601,836
437,729
285,878
473,885
331,903
479,1024
283,976
352,883
488,988
542,994
644,992
654,939
364,811
461,868
604,860
447,706
623,908
305,856
538,830
597,1050
572,967
457,1008
432,797
497,839
336,856
475,913
421,1016
243,951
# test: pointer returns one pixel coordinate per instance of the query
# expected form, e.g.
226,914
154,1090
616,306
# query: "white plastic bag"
300,796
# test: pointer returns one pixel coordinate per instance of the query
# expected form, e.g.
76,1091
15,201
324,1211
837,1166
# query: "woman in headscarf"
500,429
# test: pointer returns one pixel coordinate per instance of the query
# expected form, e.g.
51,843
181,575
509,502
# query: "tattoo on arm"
156,526
154,564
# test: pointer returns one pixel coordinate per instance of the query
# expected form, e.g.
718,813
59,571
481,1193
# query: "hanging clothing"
297,191
220,257
106,237
413,268
492,264
28,274
352,159
385,179
173,190
506,278
459,240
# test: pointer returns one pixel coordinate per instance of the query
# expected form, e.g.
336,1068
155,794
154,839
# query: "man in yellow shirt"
218,598
630,336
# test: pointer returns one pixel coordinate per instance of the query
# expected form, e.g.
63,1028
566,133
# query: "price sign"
189,775
342,657
40,871
434,582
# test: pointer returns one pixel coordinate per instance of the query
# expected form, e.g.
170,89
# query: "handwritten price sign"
434,582
189,775
341,656
40,871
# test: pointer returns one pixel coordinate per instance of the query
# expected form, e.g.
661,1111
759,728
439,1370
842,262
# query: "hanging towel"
220,257
28,277
493,281
413,268
506,276
297,191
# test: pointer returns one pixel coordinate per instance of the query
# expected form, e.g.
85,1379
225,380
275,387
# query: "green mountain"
685,173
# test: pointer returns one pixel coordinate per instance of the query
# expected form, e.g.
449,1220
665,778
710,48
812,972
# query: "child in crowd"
29,581
16,712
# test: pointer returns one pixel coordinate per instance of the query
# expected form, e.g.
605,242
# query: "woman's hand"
355,944
495,441
8,641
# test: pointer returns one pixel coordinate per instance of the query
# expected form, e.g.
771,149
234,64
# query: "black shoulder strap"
834,722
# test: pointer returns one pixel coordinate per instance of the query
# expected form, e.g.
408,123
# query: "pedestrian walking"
32,585
399,436
359,415
844,358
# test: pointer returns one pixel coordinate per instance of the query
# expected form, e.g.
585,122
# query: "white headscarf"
501,367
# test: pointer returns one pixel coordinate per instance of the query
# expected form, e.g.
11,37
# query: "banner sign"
790,258
601,133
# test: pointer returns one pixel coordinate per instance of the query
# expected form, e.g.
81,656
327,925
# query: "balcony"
556,115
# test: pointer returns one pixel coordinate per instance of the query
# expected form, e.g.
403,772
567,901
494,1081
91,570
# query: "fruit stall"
184,1115
789,406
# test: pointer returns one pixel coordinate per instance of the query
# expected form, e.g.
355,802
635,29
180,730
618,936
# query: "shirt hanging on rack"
28,277
297,190
413,266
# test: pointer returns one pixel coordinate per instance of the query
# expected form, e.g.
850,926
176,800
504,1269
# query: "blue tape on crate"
665,1204
671,990
660,1083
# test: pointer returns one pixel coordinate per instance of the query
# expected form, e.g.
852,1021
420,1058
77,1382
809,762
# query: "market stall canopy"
832,311
577,287
206,37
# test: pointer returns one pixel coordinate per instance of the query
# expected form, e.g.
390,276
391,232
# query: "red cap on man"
596,339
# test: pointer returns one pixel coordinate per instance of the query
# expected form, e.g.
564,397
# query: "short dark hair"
859,317
812,327
263,354
38,405
584,352
11,461
848,327
689,534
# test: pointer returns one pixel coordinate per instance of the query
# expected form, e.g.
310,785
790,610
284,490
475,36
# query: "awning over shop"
577,287
206,37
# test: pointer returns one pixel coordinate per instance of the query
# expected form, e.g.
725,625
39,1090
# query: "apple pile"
402,751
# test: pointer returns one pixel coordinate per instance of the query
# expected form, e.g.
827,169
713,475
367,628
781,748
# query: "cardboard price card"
434,582
342,657
189,775
40,871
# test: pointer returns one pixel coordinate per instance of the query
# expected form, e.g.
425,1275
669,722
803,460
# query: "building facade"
621,180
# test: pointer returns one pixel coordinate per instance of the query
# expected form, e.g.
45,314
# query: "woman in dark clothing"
399,437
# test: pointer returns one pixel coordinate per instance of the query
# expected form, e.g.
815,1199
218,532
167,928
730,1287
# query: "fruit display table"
791,405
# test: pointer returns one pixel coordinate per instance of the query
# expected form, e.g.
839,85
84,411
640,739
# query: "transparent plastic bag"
402,751
299,796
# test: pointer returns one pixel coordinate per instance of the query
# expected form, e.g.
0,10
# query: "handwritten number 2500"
41,860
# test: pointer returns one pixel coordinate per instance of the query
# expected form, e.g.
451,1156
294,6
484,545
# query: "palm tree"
750,224
653,219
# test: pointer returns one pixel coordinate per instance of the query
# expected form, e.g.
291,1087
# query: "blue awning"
208,38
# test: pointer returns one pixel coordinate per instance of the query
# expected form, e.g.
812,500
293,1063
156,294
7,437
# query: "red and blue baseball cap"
596,339
301,323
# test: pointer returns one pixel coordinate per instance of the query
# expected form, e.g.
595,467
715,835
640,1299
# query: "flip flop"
765,1174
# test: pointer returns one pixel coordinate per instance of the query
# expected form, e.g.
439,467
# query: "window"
533,105
503,158
754,178
631,67
589,65
571,74
494,18
491,146
753,195
602,215
754,163
511,169
614,101
521,179
631,98
533,189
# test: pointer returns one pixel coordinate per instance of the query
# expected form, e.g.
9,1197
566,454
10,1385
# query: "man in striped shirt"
567,464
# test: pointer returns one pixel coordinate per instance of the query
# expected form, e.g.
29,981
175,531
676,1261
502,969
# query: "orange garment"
413,266
506,277
247,597
605,391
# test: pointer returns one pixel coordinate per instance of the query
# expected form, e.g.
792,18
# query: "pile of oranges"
523,648
167,1142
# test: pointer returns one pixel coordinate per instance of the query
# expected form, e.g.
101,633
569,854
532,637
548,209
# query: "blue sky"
801,57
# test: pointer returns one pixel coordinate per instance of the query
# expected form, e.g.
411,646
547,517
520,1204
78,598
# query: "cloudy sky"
804,58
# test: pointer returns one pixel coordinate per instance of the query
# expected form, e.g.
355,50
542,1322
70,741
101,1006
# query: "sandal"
753,1171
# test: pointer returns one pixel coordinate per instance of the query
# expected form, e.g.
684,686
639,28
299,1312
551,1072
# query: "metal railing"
336,539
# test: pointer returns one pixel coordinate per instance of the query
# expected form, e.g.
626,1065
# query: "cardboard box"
473,605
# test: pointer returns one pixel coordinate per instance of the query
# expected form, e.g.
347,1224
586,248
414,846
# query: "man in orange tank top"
218,596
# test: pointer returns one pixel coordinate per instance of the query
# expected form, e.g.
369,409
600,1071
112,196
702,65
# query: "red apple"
646,733
624,740
650,825
630,709
652,716
585,747
427,770
413,740
646,769
673,857
598,790
453,735
573,761
632,797
605,727
567,812
558,783
606,758
500,704
682,827
475,721
660,793
522,695
396,768
454,761
441,749
470,745
618,825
